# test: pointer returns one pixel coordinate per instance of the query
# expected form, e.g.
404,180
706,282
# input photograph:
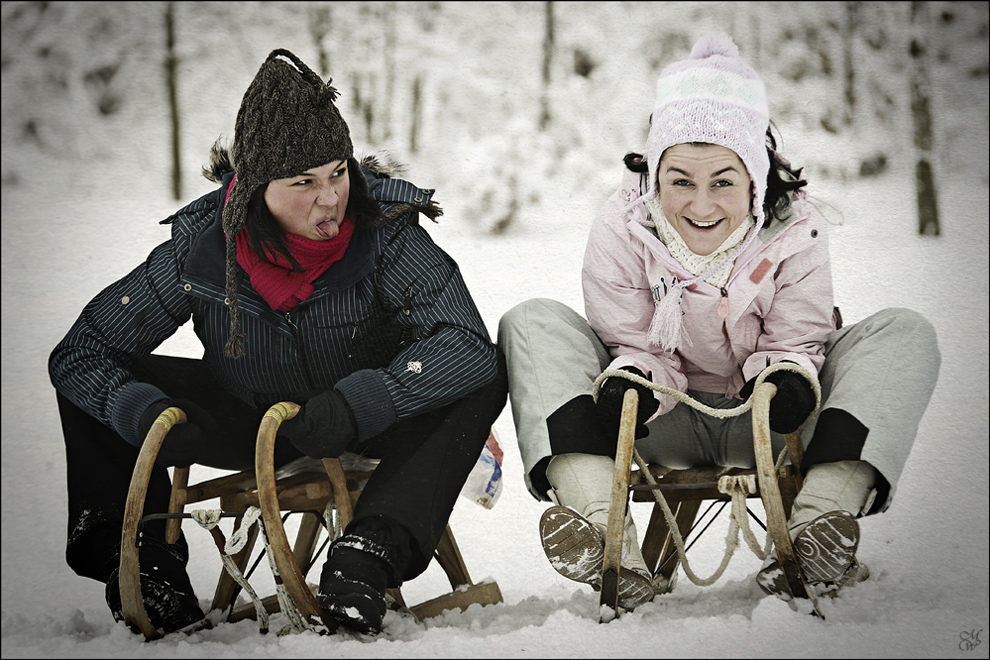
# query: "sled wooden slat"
485,593
264,468
449,556
131,600
770,494
659,550
619,502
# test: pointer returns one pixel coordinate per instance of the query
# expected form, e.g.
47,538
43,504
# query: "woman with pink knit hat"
705,269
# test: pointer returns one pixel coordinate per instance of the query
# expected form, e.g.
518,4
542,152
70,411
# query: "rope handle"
721,413
208,519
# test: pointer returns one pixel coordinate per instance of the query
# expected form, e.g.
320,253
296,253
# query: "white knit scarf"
715,268
694,263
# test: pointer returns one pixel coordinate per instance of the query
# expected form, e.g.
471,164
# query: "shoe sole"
576,550
826,548
772,581
573,545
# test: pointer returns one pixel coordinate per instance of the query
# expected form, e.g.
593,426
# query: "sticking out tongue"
328,228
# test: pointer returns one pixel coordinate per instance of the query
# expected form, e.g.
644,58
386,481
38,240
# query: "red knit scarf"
277,283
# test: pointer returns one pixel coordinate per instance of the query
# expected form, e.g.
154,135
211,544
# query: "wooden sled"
685,490
306,493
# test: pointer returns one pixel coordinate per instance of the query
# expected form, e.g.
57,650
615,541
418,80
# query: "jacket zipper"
723,304
302,353
408,301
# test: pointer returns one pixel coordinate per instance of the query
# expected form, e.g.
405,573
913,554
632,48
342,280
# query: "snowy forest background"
518,113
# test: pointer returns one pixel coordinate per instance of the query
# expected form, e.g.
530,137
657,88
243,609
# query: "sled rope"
721,413
208,519
737,489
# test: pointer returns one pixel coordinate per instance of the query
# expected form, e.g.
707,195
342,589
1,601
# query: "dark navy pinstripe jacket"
391,325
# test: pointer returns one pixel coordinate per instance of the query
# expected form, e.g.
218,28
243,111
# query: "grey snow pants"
881,371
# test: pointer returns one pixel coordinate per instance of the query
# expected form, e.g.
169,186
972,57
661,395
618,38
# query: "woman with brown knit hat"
308,278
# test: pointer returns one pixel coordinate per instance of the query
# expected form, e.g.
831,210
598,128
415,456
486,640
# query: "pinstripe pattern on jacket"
392,325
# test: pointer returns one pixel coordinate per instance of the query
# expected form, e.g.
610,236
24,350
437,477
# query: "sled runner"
678,495
271,495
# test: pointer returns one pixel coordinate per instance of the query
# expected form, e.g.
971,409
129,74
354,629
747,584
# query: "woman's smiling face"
705,192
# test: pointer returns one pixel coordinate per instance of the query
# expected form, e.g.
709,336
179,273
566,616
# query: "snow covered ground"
83,193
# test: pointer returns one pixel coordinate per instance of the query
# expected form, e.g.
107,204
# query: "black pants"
424,464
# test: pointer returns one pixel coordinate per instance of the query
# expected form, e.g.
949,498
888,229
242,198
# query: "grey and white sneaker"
826,551
576,550
826,547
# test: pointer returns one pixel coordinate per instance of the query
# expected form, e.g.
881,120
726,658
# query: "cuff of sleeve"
369,400
128,405
758,362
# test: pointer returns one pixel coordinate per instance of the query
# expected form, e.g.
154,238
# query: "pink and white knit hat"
713,97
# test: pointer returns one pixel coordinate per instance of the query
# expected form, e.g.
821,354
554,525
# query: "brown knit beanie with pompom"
287,124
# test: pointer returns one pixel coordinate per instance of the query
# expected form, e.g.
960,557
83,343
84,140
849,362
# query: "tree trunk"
547,60
928,223
417,113
848,58
319,28
171,62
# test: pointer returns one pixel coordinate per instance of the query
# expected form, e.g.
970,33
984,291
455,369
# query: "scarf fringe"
666,328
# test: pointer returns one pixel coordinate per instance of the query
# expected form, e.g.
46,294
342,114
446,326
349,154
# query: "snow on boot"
169,599
573,545
575,548
353,584
856,572
826,551
370,557
824,529
773,582
826,546
583,483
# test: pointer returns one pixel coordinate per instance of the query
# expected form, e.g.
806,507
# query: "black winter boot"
169,598
360,566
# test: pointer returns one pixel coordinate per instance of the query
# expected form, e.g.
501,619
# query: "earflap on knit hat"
287,124
716,98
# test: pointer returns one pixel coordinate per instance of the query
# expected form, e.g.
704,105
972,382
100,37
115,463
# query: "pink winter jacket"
779,298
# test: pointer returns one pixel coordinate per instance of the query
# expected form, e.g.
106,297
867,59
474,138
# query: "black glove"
323,427
180,445
791,405
610,395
